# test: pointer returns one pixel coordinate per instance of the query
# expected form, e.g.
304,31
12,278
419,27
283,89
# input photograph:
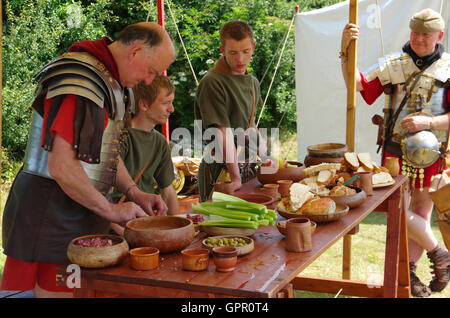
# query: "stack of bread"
362,162
302,201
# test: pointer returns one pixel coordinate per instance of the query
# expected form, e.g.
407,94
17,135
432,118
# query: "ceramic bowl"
260,198
352,200
97,256
225,258
185,202
166,233
195,259
241,250
144,258
281,226
294,174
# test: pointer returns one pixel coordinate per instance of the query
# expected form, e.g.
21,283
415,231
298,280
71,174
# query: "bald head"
149,34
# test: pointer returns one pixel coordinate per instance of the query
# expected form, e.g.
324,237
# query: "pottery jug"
298,235
393,166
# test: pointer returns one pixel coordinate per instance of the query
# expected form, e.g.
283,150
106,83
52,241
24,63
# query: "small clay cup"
284,186
365,182
224,187
298,235
195,259
271,189
144,258
392,165
225,258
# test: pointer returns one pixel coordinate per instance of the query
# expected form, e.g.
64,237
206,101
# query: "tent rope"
275,72
182,43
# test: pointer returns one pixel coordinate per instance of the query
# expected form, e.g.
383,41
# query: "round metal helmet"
421,149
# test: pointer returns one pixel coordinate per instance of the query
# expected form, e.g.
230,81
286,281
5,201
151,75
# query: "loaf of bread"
342,190
381,177
318,206
313,170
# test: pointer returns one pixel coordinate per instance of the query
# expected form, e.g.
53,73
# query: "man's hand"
152,204
414,124
121,213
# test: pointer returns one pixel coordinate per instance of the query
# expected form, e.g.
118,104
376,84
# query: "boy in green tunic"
227,97
145,151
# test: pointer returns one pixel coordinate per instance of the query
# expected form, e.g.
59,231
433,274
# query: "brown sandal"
418,289
440,259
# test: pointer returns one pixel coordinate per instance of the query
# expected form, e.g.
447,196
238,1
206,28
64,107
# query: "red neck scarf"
99,49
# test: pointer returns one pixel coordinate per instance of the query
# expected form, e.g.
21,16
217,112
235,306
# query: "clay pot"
294,174
225,258
271,189
328,152
224,187
195,259
281,226
393,166
185,202
284,186
144,258
364,181
98,257
166,233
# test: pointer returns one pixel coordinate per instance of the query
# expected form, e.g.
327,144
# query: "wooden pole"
350,132
161,21
1,87
351,90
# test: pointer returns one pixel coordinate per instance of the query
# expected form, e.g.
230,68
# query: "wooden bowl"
294,174
144,258
98,257
242,250
281,226
166,233
341,211
352,200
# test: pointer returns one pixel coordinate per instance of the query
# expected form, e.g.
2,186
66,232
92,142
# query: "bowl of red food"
97,251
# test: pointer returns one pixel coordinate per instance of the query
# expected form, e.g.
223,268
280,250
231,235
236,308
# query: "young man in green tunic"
145,151
227,97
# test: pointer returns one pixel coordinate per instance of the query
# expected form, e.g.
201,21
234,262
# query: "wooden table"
269,270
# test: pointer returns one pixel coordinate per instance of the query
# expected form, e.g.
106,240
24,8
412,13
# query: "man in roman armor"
71,162
416,80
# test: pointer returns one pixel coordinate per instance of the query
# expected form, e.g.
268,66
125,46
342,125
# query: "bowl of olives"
243,244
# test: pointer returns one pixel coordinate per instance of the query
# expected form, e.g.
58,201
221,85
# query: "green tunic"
139,147
224,99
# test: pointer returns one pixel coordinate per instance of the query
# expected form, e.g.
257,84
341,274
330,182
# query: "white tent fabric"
320,89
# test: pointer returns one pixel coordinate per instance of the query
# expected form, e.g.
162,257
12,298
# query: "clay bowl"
281,226
294,174
352,200
260,198
144,258
100,256
195,259
166,233
241,250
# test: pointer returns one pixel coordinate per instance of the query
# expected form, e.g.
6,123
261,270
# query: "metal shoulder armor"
81,74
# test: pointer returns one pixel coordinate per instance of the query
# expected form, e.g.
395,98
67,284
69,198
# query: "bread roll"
342,190
318,206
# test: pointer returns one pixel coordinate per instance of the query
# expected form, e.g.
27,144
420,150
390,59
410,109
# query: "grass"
368,246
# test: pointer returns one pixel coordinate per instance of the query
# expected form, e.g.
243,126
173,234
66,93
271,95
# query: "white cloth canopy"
320,89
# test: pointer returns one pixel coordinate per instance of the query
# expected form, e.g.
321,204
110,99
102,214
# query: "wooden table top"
262,273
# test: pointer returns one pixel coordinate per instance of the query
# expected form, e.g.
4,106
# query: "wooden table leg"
346,257
403,266
392,245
